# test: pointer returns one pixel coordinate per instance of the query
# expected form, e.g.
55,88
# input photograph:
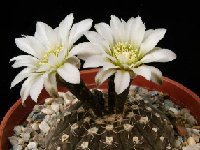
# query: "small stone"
192,147
35,126
191,141
13,140
174,110
196,127
48,101
168,104
55,107
68,97
154,93
18,130
181,130
44,127
17,147
47,111
38,117
21,141
177,143
25,136
32,145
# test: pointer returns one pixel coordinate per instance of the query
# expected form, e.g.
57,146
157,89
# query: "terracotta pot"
178,93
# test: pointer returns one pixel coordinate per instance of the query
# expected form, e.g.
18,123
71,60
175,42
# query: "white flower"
123,49
49,53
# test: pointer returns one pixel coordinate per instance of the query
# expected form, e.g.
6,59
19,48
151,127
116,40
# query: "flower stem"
115,100
83,94
111,94
120,100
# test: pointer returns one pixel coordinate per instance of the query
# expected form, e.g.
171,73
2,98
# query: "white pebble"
191,141
44,127
18,130
21,141
55,107
47,111
192,147
13,140
177,143
32,145
17,147
25,136
48,101
174,110
35,126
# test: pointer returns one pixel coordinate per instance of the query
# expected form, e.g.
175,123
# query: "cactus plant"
99,120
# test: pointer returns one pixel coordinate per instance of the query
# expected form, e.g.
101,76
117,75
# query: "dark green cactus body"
140,127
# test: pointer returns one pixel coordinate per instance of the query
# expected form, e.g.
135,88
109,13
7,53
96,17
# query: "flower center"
125,53
44,60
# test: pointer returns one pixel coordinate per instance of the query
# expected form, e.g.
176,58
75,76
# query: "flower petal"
128,29
108,65
96,39
52,60
44,68
149,73
93,61
37,87
50,85
144,71
69,73
23,58
117,28
85,50
79,29
37,46
62,55
26,86
21,76
25,45
151,40
103,75
122,80
74,61
47,36
64,28
161,55
156,75
104,30
24,61
137,31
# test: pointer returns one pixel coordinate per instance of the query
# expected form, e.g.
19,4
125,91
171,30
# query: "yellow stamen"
44,60
128,51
